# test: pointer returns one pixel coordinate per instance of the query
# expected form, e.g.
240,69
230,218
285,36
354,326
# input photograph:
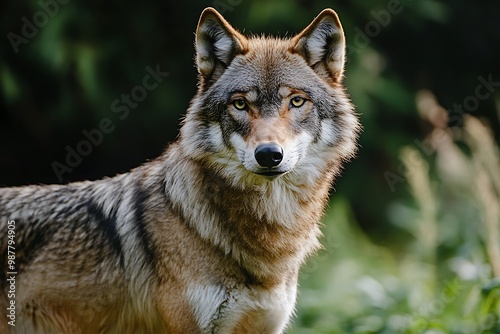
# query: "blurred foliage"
446,278
395,240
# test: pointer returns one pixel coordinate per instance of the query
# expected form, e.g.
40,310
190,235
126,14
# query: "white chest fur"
241,309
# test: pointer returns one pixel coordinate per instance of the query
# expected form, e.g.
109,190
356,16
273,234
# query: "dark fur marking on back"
138,200
107,226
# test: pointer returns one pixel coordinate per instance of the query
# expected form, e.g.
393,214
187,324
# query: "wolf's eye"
297,101
240,104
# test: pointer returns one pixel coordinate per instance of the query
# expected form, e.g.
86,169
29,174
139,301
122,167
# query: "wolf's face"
268,107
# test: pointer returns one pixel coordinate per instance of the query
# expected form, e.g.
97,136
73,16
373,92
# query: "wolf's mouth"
270,173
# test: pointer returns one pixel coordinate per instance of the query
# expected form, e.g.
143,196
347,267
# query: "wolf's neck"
267,227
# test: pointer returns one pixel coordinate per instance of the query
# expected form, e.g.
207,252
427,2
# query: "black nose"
269,155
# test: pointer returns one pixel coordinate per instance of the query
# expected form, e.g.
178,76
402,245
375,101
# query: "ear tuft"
322,44
217,43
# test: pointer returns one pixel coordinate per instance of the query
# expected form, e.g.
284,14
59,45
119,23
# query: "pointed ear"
217,43
322,44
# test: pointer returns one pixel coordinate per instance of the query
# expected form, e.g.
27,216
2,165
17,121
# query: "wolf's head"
270,108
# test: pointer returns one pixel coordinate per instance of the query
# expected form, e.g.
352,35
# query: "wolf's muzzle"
269,155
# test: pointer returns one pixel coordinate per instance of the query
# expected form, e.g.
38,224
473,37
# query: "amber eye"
240,104
297,101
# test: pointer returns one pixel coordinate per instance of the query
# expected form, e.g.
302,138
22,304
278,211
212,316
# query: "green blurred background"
409,217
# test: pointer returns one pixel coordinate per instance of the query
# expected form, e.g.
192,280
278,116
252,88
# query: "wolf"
210,236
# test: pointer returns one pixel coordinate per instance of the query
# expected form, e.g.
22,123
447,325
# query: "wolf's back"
60,223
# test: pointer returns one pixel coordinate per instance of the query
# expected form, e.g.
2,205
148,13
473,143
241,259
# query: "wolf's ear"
322,44
217,43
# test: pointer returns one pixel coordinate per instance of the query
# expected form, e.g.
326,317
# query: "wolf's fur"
203,239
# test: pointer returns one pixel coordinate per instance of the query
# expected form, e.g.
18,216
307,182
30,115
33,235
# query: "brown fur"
204,239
